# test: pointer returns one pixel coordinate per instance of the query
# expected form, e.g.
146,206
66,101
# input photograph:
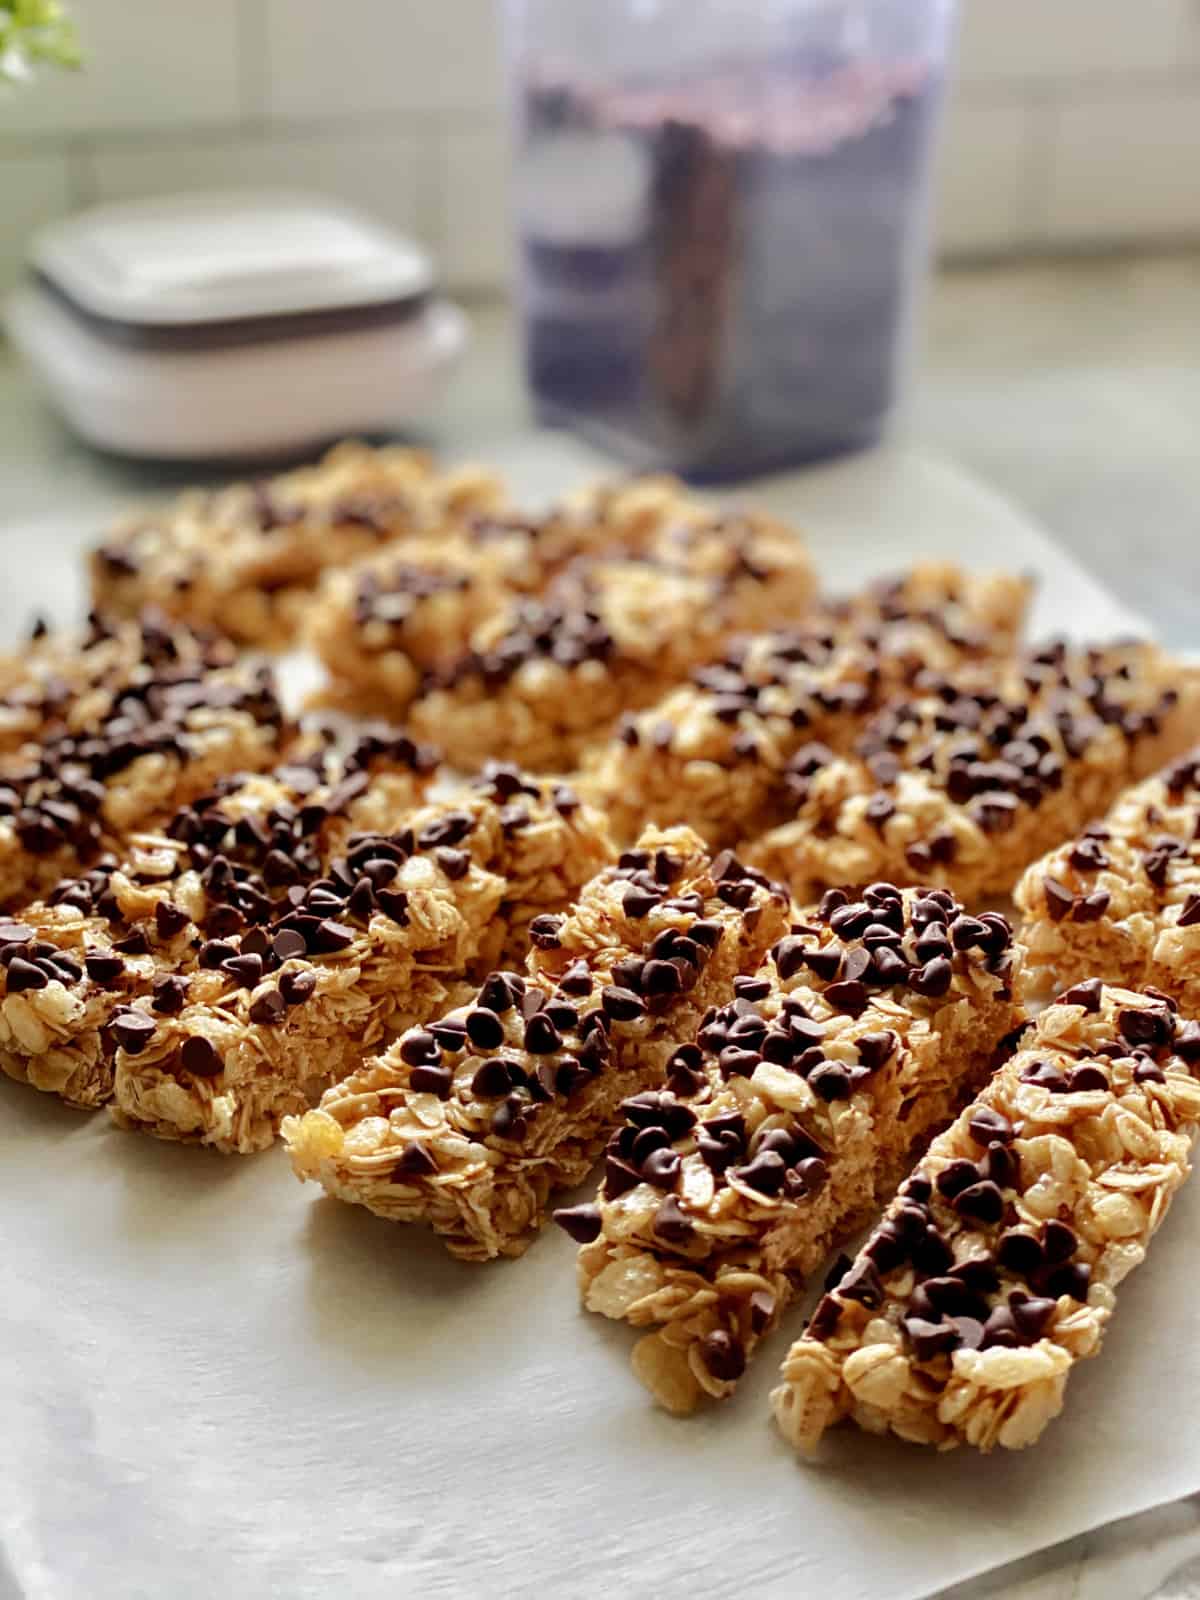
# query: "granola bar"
786,1124
379,941
1123,898
246,558
511,631
996,1268
144,717
470,1125
133,926
712,752
964,785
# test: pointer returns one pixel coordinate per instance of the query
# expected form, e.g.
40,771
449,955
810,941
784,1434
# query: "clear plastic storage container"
721,218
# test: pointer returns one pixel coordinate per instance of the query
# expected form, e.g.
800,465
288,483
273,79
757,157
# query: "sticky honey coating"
716,751
134,923
997,1267
382,937
1123,897
247,558
783,1127
963,785
471,1124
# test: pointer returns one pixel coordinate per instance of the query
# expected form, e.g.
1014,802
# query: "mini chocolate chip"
830,1081
24,975
200,1057
245,970
1059,898
169,919
170,996
662,1168
933,979
1190,915
1019,1252
764,1174
267,1008
419,1047
288,944
1032,1316
861,1282
1045,1075
621,1004
1149,1027
133,1031
982,1201
955,1177
1086,994
988,1126
639,903
415,1162
296,986
1085,1078
581,1223
850,998
671,1224
492,1079
930,1339
1059,1241
133,944
102,968
1073,1279
484,1029
542,1038
1092,907
723,1354
430,1079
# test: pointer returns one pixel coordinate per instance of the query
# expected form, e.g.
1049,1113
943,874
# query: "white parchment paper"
214,1383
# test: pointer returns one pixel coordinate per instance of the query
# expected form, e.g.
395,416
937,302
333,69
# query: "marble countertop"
1072,388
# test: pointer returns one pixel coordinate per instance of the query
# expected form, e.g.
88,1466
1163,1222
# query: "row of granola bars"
775,999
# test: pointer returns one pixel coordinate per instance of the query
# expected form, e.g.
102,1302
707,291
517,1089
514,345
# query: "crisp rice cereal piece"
247,558
1123,898
996,1267
784,1126
379,942
964,786
133,925
711,752
168,715
470,1124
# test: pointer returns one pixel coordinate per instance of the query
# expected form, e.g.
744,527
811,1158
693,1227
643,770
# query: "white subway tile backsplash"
474,193
1126,167
148,64
981,189
1041,40
33,189
381,172
372,56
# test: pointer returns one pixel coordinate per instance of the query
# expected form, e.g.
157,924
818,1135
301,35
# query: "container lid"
199,259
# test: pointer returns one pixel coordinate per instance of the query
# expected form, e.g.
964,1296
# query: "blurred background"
1071,124
1059,351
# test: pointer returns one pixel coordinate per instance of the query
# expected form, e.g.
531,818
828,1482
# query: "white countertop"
1075,390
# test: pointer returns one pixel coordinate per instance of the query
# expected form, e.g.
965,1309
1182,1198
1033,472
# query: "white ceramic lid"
224,256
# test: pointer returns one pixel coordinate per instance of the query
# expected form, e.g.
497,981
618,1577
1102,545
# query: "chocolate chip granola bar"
526,637
793,1115
1123,898
997,1266
378,940
105,732
713,752
964,783
247,558
138,925
471,1123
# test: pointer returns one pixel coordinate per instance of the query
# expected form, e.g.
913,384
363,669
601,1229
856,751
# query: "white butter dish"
232,325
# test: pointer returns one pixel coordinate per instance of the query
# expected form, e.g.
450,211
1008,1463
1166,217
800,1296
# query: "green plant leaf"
34,33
